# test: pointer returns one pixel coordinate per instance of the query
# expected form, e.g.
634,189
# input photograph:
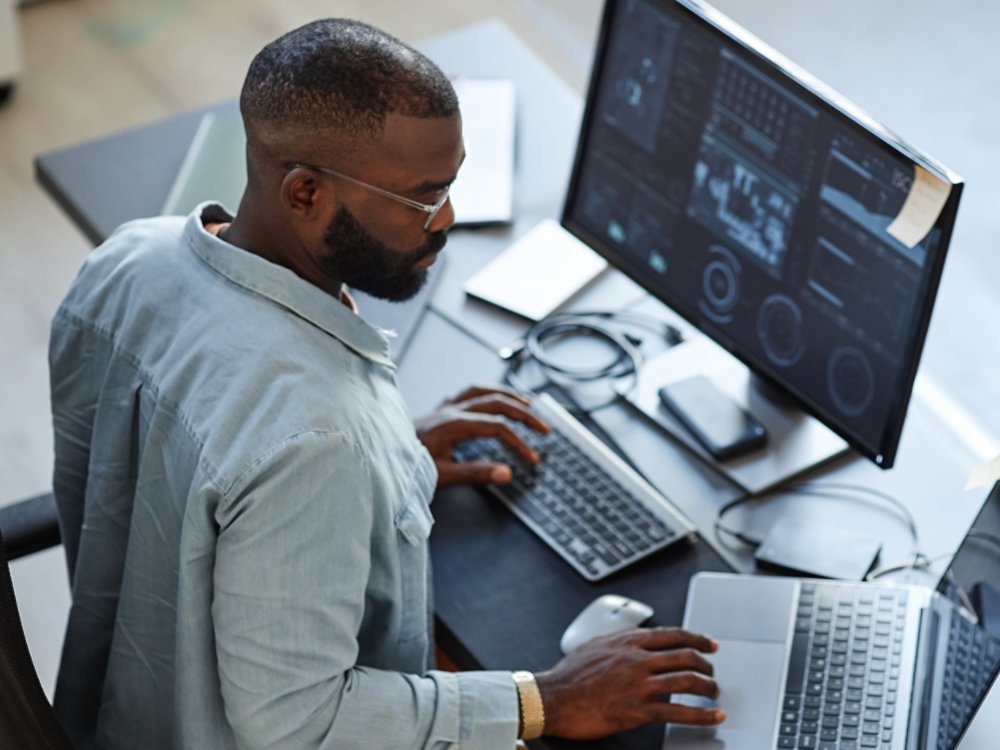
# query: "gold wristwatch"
532,710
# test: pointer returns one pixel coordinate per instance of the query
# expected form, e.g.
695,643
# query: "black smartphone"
724,428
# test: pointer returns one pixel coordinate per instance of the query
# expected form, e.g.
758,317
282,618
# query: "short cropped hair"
342,74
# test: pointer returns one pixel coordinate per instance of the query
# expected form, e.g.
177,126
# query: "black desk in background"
502,597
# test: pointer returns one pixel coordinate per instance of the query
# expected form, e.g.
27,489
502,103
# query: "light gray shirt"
245,510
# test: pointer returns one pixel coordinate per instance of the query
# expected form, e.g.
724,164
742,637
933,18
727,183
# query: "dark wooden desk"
503,598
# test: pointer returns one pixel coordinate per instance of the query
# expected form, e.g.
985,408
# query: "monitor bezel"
884,453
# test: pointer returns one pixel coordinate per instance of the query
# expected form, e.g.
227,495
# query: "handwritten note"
921,208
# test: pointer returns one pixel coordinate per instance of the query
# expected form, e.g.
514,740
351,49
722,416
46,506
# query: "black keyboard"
969,666
582,500
843,676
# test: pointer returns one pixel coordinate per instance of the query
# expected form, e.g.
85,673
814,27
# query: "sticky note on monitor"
538,273
921,208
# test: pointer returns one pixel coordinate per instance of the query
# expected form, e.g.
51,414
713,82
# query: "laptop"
835,665
984,728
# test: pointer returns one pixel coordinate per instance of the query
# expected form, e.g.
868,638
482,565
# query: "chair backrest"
27,721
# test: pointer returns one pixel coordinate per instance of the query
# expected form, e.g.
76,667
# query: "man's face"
362,262
381,246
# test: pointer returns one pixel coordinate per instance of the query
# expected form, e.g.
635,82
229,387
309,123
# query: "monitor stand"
796,441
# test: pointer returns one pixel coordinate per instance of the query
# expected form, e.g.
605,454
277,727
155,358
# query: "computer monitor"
771,213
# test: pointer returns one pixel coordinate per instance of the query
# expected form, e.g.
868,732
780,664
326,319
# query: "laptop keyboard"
581,500
843,676
969,666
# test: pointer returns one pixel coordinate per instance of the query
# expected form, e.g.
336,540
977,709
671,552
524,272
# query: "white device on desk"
806,663
483,192
607,614
538,273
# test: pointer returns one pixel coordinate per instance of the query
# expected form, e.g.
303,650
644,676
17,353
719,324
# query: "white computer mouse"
606,614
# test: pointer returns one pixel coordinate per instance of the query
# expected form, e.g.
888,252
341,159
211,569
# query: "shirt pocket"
413,528
414,521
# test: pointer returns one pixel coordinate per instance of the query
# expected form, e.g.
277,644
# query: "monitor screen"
785,224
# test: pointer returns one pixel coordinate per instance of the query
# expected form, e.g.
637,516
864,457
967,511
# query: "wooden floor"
92,67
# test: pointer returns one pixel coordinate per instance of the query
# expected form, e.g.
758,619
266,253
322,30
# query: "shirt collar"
283,287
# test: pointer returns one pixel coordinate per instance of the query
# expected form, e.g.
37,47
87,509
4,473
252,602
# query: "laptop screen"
972,582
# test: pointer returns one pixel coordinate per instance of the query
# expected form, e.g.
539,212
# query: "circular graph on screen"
779,328
851,380
720,285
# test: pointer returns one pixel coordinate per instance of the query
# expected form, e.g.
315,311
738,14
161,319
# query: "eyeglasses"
431,209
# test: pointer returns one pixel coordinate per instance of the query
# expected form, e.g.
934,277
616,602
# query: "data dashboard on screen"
792,229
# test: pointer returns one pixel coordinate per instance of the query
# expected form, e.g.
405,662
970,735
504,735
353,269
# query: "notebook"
214,167
538,273
483,194
821,665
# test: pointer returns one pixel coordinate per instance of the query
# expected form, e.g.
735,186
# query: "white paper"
537,273
484,190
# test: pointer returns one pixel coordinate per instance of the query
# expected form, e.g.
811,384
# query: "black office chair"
27,721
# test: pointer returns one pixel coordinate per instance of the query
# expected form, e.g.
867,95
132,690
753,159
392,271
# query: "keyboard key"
578,500
844,668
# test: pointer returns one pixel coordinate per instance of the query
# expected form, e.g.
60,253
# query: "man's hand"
477,412
620,681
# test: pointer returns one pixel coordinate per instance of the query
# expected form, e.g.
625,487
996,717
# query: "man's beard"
362,262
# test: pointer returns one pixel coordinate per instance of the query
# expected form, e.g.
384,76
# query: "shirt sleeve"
292,565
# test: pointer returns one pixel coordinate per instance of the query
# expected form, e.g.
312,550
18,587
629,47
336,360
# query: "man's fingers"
506,406
474,472
511,439
688,683
484,390
488,425
656,639
679,660
676,714
620,681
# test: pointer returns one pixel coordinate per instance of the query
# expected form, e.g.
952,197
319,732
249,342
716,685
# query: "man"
243,498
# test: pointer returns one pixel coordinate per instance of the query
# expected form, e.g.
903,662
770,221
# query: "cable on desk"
822,489
595,323
920,561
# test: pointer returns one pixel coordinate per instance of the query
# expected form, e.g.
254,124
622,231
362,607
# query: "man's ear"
305,195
